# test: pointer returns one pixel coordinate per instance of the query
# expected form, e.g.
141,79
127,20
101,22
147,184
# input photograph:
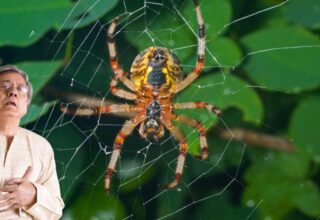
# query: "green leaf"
85,12
169,201
223,52
149,31
263,186
133,175
222,208
271,198
223,91
294,165
283,58
96,205
281,190
155,33
216,14
304,128
306,13
35,111
24,22
70,156
39,72
169,29
307,198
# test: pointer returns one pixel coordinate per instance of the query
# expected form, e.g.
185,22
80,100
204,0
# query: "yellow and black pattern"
144,64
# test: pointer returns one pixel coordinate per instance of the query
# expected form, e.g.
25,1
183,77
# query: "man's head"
14,69
15,91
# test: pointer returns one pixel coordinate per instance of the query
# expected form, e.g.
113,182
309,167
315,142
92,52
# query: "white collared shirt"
30,149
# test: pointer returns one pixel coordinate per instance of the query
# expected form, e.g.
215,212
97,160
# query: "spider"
156,76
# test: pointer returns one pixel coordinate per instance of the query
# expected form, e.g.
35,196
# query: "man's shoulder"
34,137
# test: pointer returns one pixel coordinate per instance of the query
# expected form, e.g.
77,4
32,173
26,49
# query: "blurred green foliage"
262,70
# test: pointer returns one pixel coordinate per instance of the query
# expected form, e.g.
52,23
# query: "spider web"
145,164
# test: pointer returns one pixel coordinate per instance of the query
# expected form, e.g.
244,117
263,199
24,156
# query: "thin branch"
253,138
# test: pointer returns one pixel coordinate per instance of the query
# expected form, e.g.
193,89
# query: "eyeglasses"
22,89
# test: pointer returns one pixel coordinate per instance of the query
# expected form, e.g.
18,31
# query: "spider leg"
204,105
126,130
178,135
120,92
204,151
201,51
86,111
117,69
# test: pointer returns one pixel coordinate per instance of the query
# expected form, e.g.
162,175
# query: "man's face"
13,95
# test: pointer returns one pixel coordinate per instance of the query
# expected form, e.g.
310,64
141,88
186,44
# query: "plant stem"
257,139
68,51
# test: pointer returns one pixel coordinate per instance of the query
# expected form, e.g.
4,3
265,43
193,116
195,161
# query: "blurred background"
262,69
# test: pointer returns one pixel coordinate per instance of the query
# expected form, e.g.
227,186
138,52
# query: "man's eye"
5,86
23,89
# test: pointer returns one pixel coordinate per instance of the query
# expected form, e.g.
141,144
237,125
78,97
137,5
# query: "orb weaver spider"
156,76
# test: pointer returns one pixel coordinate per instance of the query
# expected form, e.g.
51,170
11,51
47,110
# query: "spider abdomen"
156,77
156,66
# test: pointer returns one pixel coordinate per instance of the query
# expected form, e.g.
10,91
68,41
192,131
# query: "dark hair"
14,69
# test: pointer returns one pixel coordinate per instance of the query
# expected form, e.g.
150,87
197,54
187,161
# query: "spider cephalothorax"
152,127
154,79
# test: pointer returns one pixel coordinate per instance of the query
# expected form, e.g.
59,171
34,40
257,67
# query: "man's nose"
12,91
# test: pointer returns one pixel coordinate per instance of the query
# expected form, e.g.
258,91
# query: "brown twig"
257,139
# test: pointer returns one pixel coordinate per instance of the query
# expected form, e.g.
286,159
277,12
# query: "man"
29,187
